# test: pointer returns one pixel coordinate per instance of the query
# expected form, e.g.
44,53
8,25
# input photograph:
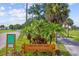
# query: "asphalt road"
70,45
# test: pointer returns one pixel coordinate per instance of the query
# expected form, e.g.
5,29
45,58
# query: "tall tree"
56,12
37,10
11,27
17,26
69,21
2,27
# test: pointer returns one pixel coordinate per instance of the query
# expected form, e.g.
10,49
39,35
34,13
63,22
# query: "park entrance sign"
10,38
39,48
10,42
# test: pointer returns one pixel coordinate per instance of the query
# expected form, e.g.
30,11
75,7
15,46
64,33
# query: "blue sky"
15,13
74,13
12,14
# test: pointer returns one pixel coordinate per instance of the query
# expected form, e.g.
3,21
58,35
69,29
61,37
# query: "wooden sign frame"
39,48
14,44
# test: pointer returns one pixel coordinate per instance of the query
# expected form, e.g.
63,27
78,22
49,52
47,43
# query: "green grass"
1,31
3,51
74,34
21,40
63,50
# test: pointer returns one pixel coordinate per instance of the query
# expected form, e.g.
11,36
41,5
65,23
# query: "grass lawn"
63,50
1,31
2,51
23,39
74,34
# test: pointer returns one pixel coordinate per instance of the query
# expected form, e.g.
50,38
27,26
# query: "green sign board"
11,38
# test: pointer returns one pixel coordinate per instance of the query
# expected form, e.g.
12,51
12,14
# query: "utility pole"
26,12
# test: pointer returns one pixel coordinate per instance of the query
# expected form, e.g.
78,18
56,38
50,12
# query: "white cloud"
12,3
2,8
25,6
72,4
17,16
16,21
2,13
12,16
3,22
17,13
13,21
10,7
76,22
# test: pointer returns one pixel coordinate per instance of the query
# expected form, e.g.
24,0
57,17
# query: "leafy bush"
43,28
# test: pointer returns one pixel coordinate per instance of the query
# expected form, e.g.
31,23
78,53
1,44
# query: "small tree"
11,27
43,29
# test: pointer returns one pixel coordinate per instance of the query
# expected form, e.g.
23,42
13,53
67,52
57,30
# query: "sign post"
10,42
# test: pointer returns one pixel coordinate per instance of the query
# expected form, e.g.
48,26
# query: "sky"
74,13
15,13
12,13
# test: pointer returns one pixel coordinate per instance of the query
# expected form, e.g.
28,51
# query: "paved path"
3,38
70,45
70,42
73,50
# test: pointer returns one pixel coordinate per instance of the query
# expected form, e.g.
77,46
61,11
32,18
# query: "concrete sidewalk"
73,50
70,45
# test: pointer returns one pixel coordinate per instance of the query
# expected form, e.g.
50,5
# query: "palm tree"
56,12
69,21
68,24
